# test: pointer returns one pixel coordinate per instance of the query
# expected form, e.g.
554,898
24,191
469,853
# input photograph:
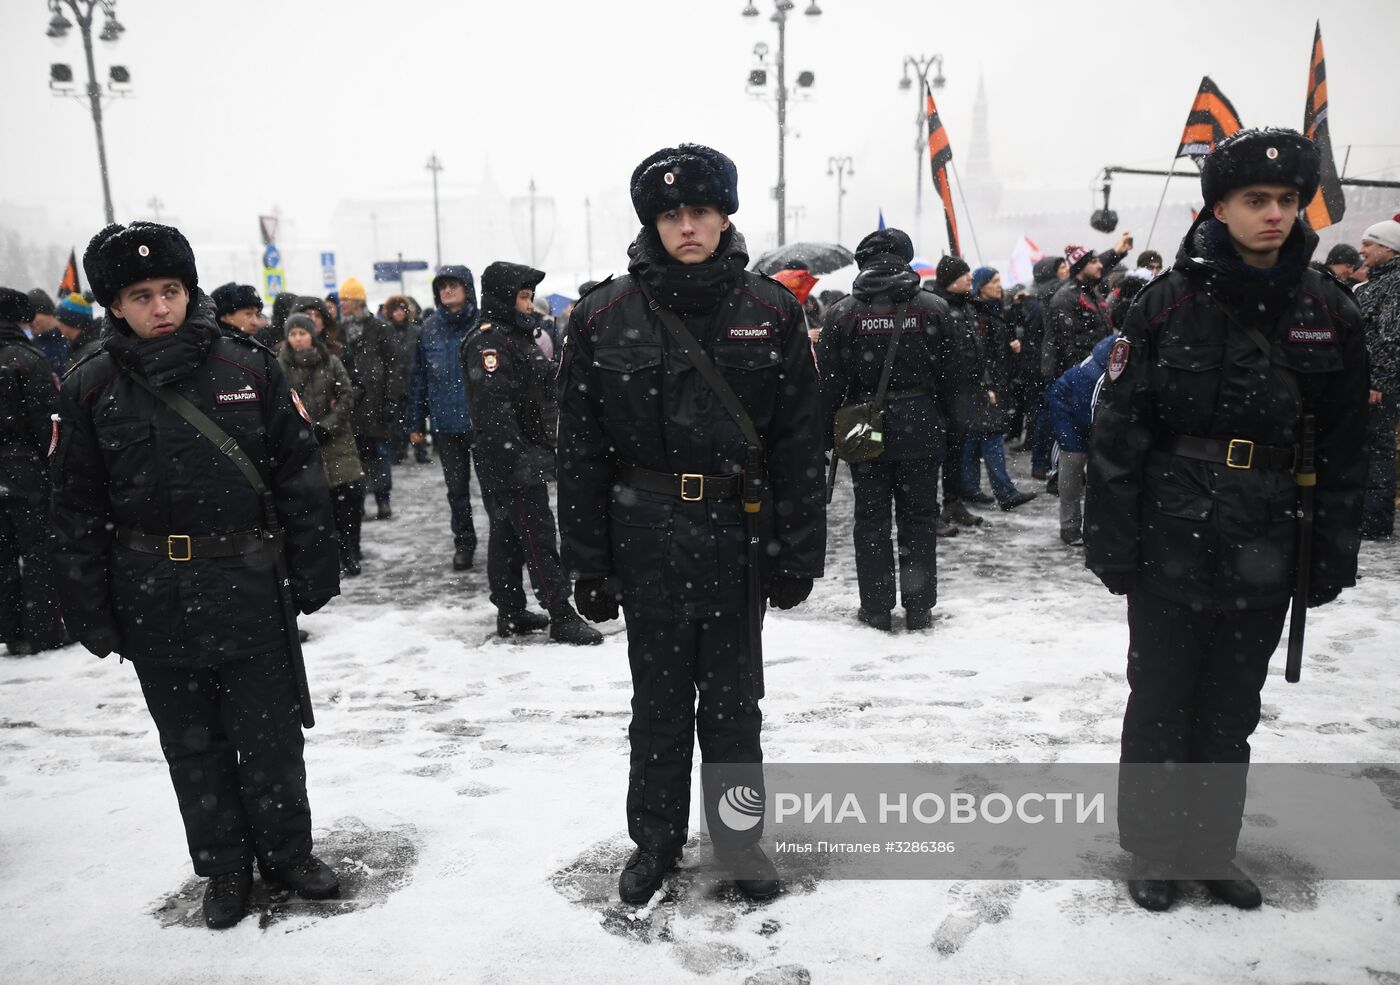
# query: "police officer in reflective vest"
852,352
653,495
165,557
1225,364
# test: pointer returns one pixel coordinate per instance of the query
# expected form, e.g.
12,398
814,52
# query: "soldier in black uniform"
163,557
851,355
649,495
1191,501
28,608
515,413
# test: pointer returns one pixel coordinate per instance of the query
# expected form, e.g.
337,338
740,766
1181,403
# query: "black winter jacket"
381,386
629,396
970,373
126,460
511,398
1205,533
995,340
851,356
28,399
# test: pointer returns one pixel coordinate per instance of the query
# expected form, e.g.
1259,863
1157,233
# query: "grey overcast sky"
245,104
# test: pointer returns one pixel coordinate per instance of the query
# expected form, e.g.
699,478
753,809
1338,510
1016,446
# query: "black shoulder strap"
706,368
890,350
202,423
1257,337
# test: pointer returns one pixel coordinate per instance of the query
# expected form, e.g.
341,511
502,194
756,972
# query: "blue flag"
882,219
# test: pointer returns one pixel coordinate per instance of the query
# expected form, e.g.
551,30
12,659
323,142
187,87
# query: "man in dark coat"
886,298
29,619
371,357
650,483
1379,299
967,379
164,559
1077,318
510,387
403,332
1191,503
238,308
45,331
1045,281
437,392
76,323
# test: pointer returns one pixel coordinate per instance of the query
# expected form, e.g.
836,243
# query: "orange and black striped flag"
69,284
940,155
1211,120
1330,203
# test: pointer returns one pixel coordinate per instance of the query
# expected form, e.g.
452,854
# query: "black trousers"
671,663
1195,678
911,485
455,454
523,534
348,501
28,599
232,737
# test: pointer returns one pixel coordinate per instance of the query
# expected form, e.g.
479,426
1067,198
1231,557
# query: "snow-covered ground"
470,792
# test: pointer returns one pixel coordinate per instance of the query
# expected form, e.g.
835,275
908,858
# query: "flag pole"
1171,167
967,212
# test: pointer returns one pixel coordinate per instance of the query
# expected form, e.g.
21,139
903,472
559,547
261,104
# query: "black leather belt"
184,547
906,393
689,486
1237,453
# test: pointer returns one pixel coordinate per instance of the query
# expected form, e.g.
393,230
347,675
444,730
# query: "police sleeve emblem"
489,362
1118,358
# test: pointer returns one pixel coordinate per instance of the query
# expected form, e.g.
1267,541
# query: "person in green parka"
319,380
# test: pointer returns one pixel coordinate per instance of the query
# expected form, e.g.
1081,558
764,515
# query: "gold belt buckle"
1248,447
172,541
700,493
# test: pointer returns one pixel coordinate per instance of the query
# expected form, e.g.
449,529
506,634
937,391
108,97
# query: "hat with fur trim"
1268,156
120,256
691,174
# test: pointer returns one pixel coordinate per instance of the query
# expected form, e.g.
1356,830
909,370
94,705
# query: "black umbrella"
819,258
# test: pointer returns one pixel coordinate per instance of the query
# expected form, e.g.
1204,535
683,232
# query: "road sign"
395,269
328,271
274,282
272,257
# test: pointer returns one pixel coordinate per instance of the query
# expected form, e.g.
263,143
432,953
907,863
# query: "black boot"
1237,890
349,564
384,511
917,619
980,498
226,898
462,560
302,635
955,512
876,620
311,879
1146,888
760,880
518,622
566,626
1020,499
945,529
644,873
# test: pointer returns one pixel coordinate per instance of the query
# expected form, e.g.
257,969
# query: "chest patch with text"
1313,336
884,324
247,397
746,333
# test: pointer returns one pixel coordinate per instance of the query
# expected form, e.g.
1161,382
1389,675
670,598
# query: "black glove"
323,434
1322,594
1118,582
786,591
596,598
101,642
308,606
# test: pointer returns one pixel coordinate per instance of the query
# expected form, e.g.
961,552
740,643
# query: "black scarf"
171,357
688,288
1258,295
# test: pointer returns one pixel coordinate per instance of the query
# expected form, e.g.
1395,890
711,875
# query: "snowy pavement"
470,792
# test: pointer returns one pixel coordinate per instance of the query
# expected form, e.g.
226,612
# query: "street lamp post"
804,80
61,74
434,165
840,167
921,66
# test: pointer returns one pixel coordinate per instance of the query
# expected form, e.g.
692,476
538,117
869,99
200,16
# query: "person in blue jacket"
1071,408
437,393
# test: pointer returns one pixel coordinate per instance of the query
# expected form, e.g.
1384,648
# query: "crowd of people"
681,413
